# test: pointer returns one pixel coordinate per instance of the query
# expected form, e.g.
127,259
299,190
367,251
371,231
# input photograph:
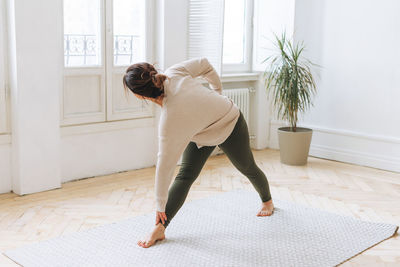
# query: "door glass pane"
82,37
129,31
234,31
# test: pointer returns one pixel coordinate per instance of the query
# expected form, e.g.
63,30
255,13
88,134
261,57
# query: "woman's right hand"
160,217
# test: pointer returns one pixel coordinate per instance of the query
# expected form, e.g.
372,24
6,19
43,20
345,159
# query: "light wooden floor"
362,192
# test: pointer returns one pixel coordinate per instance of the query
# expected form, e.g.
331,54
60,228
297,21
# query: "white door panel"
97,53
126,105
128,29
4,114
84,99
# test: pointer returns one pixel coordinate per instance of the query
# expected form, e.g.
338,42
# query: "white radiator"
241,97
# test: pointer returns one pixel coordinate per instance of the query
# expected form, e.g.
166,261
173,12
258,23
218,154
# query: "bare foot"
267,208
153,237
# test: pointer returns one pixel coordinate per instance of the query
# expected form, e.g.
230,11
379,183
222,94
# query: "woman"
193,120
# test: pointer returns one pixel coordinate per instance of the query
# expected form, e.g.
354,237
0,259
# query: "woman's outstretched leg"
237,148
193,160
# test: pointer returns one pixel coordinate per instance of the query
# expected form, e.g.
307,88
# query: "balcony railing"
83,49
124,45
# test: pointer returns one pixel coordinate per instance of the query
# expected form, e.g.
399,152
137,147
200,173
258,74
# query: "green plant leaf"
288,78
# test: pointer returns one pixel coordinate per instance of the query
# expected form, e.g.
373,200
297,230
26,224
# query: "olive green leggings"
236,147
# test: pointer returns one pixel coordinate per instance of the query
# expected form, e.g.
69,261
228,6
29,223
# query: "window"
128,39
4,114
237,35
270,17
243,46
82,33
102,38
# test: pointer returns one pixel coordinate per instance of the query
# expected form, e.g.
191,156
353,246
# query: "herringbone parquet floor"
358,191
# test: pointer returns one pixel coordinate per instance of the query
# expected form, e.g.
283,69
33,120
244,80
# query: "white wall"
107,151
5,167
356,117
35,42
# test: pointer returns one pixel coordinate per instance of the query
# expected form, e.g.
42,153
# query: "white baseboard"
358,148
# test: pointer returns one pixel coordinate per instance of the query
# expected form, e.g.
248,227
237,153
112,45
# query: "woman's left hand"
160,216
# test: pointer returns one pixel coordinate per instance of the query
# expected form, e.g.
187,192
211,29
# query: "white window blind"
3,89
205,31
270,16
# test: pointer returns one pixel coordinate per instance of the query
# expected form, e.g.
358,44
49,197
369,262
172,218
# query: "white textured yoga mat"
221,230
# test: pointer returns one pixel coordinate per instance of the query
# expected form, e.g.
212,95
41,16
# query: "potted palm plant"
288,77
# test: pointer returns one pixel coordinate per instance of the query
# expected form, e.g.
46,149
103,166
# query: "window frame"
148,109
105,71
260,19
246,66
79,71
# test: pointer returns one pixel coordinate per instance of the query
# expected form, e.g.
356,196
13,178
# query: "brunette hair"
143,79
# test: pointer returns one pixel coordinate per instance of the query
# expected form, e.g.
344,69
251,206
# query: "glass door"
127,35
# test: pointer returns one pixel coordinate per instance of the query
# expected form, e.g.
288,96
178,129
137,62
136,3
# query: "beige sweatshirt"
190,112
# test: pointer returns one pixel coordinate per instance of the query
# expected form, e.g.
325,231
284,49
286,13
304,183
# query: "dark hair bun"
143,79
158,80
